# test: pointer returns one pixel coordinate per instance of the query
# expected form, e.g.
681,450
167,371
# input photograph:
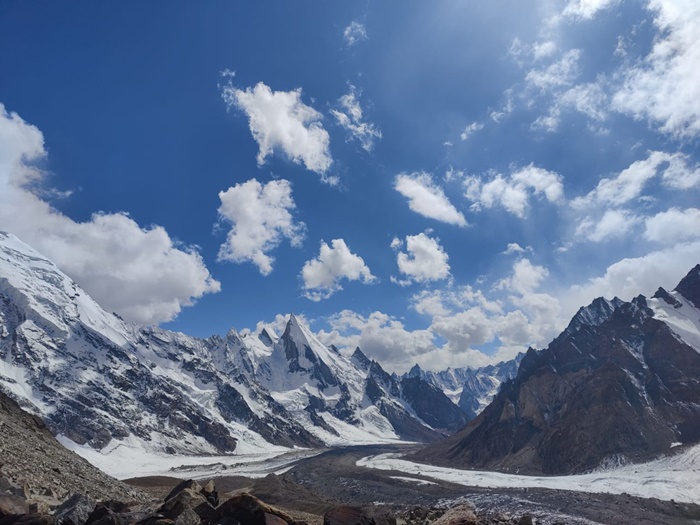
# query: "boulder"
187,496
209,491
249,510
347,515
75,510
103,515
184,485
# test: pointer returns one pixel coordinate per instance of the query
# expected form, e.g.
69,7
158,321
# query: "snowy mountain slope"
470,388
620,384
99,381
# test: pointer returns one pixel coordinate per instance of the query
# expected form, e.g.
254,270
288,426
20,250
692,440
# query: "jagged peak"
689,286
595,313
415,371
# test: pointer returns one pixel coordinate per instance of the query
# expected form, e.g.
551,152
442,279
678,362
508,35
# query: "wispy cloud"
354,33
350,117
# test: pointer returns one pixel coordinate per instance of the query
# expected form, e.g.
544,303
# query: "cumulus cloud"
614,224
354,33
461,320
349,116
427,199
446,301
513,193
140,273
525,278
261,218
470,130
673,226
323,274
474,327
424,260
381,337
664,88
281,122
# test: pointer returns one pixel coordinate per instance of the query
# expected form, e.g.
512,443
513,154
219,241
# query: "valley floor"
376,475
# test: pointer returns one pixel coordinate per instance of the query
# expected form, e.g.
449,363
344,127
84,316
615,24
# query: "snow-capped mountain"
104,383
620,384
472,389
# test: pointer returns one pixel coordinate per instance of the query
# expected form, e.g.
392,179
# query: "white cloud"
514,247
380,336
141,273
470,130
673,226
424,261
586,9
350,118
513,193
544,49
427,199
281,122
323,274
629,184
445,302
558,74
665,87
525,279
474,327
629,277
354,33
261,217
614,224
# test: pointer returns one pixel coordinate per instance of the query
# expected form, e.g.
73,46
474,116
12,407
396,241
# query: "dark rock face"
432,405
616,385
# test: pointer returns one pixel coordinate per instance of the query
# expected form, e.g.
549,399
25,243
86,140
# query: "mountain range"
101,382
620,384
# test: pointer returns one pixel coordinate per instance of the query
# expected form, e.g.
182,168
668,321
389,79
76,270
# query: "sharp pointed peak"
267,336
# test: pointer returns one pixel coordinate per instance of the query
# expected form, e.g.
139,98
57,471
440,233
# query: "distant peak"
415,371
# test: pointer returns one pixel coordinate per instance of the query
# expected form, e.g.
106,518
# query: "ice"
674,477
683,321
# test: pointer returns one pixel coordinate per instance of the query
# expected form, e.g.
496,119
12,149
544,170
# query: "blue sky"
442,183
